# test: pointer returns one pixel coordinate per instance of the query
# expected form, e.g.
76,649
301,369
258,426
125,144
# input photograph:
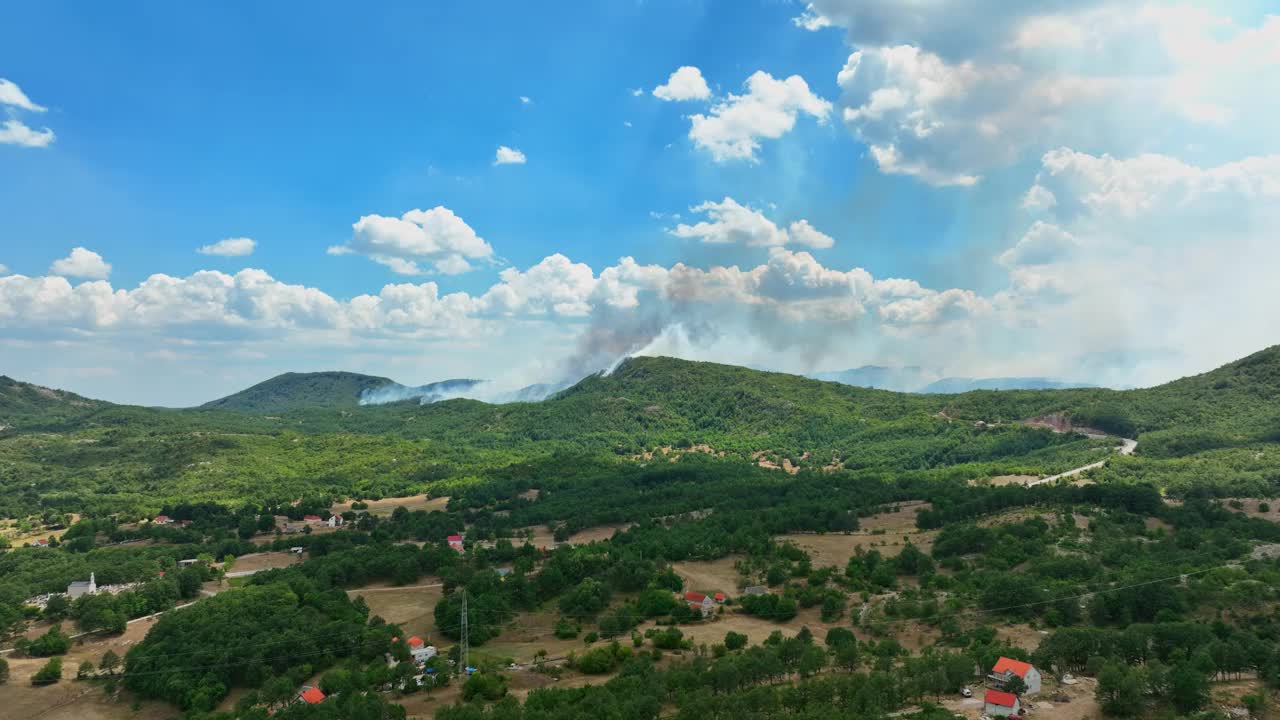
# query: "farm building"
455,542
312,518
698,601
1007,668
1001,704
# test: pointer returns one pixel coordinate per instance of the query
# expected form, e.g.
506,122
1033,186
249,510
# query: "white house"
1001,704
698,601
1007,668
420,651
334,521
80,588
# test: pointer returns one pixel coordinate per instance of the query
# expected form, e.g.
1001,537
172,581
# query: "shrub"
49,674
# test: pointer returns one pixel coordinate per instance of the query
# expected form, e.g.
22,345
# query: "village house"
334,521
455,542
1001,704
80,588
1007,668
312,519
698,601
40,543
720,598
188,562
420,651
311,696
162,520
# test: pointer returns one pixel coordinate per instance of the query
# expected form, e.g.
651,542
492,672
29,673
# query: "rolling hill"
332,389
306,433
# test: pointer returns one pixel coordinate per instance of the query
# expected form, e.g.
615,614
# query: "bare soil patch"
1250,507
386,506
887,533
411,608
71,699
256,562
1002,480
1020,635
710,576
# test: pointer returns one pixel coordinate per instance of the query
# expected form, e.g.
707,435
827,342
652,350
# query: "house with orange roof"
1007,668
312,696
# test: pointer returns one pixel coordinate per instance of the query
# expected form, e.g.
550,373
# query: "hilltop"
21,402
297,391
331,389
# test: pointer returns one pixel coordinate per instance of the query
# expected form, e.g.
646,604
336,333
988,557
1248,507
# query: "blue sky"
909,142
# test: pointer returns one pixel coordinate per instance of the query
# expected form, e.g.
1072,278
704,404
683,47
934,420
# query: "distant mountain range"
919,380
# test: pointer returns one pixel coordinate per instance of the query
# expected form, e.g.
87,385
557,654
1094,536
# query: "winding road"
1127,447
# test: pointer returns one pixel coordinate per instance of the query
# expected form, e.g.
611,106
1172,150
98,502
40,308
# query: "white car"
966,692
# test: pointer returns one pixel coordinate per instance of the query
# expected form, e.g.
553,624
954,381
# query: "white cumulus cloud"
82,263
230,247
436,237
940,97
12,95
14,131
508,156
730,222
767,111
686,83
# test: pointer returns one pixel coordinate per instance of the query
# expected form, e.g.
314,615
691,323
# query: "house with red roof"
419,650
162,520
998,703
720,598
312,696
698,601
312,519
1007,668
455,542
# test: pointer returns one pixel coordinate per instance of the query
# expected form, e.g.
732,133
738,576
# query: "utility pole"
464,638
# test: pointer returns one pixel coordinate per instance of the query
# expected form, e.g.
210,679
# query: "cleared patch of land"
257,562
70,699
1251,507
710,576
386,506
888,533
541,536
1002,480
409,607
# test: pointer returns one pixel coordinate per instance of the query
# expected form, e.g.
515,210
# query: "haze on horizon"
1086,191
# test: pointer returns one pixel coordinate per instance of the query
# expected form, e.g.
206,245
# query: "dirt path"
1127,447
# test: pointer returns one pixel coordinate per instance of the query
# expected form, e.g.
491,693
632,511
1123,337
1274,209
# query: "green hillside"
304,433
299,391
23,403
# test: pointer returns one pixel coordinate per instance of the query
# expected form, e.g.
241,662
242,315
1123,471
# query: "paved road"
1127,447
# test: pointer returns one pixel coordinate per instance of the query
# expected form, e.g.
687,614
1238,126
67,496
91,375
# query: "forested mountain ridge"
298,391
21,401
64,451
